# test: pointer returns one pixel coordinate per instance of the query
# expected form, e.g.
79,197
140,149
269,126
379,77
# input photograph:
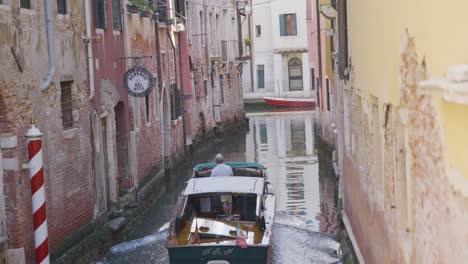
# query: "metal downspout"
90,49
251,47
50,46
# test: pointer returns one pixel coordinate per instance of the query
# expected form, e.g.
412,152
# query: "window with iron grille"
100,14
312,78
26,4
288,25
258,30
295,75
162,10
116,15
67,106
62,7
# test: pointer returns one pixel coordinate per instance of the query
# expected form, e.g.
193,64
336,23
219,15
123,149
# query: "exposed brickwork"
67,154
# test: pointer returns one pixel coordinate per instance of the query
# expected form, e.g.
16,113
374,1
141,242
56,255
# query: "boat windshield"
245,171
244,206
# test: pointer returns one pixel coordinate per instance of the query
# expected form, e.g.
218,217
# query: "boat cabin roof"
227,184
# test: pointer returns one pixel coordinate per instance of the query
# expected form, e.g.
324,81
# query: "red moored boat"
290,102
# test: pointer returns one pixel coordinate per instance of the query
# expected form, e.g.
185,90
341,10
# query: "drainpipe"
90,49
50,46
251,47
158,49
182,94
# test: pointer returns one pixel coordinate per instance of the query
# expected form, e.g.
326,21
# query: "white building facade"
277,41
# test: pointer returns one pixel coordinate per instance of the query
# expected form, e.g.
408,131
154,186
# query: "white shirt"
222,170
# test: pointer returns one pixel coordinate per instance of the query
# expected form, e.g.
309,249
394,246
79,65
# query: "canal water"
305,221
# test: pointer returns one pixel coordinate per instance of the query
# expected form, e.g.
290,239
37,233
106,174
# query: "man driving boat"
222,169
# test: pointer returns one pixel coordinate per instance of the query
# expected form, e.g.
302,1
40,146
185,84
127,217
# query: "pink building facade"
321,46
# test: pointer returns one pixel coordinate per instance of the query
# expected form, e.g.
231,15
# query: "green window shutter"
295,25
282,26
261,78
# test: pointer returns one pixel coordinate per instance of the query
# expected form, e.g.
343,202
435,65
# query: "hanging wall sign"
138,81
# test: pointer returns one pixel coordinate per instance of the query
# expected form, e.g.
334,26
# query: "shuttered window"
260,76
116,15
221,87
318,91
62,7
288,25
328,95
25,4
100,14
342,40
312,78
176,102
66,103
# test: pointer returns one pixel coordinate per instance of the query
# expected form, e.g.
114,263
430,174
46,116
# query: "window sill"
70,133
5,7
100,31
116,32
148,125
26,11
63,16
452,88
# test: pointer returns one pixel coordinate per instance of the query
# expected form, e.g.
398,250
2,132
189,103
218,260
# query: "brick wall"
67,153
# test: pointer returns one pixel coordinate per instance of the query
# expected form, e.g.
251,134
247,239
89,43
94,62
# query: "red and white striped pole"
36,173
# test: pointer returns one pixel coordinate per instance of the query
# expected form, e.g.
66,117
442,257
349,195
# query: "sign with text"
138,81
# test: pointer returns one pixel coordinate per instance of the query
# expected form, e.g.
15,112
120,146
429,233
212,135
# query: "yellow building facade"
405,130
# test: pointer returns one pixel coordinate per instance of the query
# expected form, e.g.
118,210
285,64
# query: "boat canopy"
232,164
225,185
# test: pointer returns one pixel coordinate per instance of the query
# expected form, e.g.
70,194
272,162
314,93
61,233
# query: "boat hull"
290,102
230,254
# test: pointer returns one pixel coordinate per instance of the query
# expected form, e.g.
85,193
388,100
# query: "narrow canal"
305,221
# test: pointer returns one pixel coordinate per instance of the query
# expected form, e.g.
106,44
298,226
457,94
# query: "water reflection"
305,215
284,142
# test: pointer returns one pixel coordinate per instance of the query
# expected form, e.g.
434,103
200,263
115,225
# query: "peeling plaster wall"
399,149
67,153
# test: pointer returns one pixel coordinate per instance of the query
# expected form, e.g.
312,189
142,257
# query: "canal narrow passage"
305,221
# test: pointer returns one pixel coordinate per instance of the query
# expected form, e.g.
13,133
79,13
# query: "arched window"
295,75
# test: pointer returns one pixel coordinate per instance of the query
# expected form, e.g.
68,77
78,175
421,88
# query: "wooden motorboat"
290,102
201,232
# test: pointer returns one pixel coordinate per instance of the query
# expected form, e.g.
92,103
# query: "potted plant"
134,6
247,42
146,11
